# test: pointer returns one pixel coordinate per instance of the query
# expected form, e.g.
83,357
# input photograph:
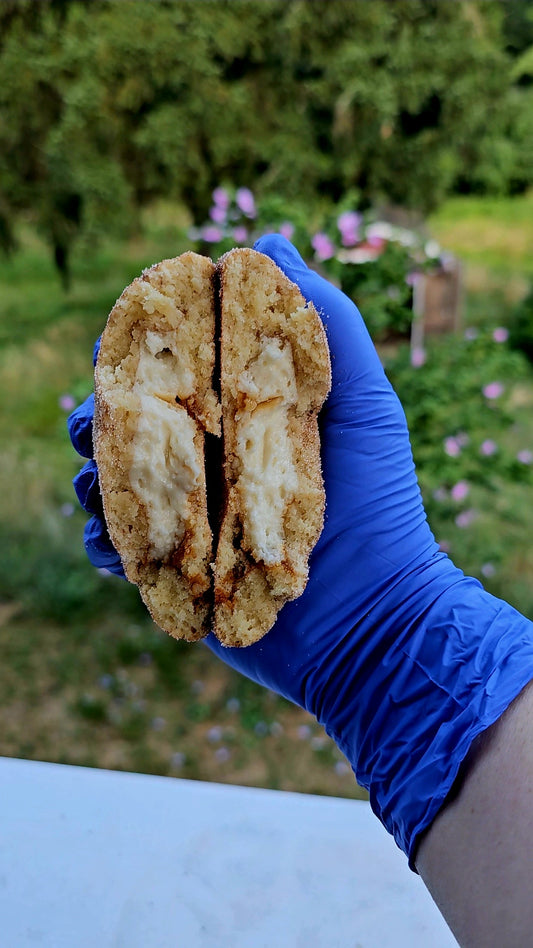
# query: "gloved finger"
96,349
100,550
352,350
87,488
80,427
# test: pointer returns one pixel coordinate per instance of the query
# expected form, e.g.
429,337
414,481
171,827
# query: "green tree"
105,105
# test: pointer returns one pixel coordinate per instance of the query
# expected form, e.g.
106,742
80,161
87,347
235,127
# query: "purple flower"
240,234
67,402
525,457
177,760
221,198
493,390
501,334
418,357
323,246
348,224
211,234
459,491
488,447
471,334
488,570
218,214
214,734
341,768
67,510
287,230
158,724
465,518
452,447
222,755
304,732
233,705
245,201
445,546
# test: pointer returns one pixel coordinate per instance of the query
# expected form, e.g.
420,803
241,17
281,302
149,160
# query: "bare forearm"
477,857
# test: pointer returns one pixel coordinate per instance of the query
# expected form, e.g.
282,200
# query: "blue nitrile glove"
100,550
400,657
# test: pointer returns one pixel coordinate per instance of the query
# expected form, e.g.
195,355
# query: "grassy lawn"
85,677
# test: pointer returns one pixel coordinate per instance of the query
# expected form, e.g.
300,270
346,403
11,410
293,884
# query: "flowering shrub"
375,263
466,441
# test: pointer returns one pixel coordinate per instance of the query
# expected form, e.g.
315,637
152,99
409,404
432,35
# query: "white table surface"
95,859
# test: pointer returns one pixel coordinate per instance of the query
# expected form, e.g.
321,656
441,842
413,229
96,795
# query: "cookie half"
154,404
275,374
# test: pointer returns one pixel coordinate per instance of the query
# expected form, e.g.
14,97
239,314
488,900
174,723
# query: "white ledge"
97,859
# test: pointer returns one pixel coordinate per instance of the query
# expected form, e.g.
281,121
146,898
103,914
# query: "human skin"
476,858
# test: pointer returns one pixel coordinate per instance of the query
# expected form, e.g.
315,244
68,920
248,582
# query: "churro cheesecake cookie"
194,356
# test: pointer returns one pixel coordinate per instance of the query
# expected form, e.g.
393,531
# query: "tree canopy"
107,104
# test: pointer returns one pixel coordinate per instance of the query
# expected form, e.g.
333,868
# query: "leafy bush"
521,326
459,400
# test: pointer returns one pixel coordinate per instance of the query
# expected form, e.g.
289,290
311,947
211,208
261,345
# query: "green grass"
85,677
493,233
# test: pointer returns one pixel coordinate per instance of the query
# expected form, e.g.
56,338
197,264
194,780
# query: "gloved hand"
400,657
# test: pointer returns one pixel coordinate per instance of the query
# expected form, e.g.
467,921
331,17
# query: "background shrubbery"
105,107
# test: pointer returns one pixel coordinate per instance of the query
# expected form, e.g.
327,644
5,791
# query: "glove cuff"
440,681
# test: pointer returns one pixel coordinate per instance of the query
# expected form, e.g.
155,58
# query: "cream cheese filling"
268,480
165,466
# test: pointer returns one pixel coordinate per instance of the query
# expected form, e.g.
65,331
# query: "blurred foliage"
106,105
471,440
521,326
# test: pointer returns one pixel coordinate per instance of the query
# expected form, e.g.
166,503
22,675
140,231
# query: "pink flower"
525,457
221,198
245,201
418,357
459,491
452,447
493,390
348,224
67,402
445,546
240,234
500,334
287,230
465,518
323,246
488,447
377,243
211,234
488,569
217,214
